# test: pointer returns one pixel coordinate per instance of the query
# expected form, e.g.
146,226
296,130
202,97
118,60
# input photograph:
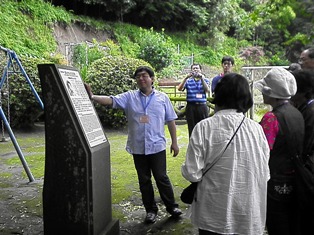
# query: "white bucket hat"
278,83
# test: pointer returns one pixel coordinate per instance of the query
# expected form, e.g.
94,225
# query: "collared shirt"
231,197
145,137
193,88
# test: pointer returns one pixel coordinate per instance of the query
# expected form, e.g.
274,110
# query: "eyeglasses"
145,76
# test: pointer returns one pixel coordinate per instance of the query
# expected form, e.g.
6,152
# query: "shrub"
24,109
112,75
84,54
156,48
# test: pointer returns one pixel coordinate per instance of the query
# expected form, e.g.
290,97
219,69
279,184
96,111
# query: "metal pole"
27,79
17,147
5,73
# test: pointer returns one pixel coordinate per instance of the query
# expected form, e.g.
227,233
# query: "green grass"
123,174
124,180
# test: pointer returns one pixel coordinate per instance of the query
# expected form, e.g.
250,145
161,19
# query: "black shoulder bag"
189,193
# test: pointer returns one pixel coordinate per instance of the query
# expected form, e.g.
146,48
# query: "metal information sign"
84,110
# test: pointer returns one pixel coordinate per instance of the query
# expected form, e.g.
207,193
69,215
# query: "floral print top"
270,126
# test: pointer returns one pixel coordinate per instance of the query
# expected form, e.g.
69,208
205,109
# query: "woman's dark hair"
305,82
146,69
233,92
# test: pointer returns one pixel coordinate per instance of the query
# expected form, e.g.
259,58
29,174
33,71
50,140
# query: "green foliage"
277,60
126,35
272,20
208,55
113,75
25,24
172,72
111,48
84,54
156,48
215,28
21,107
299,37
44,11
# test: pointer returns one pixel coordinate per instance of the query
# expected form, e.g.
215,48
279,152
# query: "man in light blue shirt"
147,111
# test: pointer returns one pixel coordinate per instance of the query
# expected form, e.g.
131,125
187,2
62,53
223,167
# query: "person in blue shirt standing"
227,64
197,87
147,111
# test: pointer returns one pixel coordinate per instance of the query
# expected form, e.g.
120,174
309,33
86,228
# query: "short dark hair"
305,82
227,58
147,69
311,52
196,65
233,92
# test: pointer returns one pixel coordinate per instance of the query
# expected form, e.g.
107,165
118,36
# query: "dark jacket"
289,140
307,111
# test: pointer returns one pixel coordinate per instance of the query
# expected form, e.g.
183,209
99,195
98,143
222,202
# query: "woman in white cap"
284,130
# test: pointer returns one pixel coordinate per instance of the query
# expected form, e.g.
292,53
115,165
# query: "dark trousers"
155,164
195,113
281,217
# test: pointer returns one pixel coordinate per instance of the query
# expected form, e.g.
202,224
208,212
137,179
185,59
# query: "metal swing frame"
12,57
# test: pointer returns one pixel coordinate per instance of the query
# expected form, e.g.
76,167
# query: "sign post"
77,181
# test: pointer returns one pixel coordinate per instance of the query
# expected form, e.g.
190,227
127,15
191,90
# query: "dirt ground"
21,204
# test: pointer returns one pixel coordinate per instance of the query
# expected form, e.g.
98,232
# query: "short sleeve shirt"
195,90
145,137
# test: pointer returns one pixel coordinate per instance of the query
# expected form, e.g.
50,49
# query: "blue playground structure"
9,69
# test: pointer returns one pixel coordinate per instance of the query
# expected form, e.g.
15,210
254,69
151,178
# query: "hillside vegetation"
28,28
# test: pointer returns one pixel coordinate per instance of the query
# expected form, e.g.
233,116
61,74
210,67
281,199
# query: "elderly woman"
231,196
284,130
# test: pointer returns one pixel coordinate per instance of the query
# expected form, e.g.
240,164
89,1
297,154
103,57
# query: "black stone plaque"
77,181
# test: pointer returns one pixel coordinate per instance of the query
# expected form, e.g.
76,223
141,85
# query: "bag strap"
217,158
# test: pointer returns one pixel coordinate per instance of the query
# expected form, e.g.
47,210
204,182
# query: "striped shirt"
193,88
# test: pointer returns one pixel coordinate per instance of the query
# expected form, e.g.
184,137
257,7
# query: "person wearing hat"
284,130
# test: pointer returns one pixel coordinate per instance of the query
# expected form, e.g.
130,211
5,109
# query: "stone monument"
77,180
